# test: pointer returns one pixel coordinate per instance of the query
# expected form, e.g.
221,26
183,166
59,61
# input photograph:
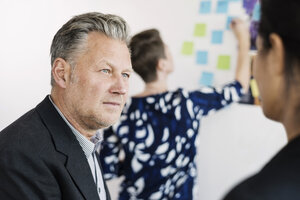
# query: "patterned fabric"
157,135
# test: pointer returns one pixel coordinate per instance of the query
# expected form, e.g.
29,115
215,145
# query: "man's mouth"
112,103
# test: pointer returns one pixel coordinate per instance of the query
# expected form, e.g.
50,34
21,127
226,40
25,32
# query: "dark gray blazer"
40,158
278,180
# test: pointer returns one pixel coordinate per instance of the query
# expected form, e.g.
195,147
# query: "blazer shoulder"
25,133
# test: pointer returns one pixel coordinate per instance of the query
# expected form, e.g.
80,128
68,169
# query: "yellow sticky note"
187,48
254,88
200,30
223,62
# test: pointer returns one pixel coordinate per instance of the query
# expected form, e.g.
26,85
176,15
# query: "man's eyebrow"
105,62
129,70
113,66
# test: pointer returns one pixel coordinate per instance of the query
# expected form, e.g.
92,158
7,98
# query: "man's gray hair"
71,37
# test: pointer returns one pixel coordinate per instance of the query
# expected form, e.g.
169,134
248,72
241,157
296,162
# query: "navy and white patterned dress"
157,135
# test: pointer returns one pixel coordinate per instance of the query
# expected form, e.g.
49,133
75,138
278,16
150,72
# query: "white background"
233,143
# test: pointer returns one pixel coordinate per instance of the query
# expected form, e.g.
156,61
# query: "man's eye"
125,75
107,71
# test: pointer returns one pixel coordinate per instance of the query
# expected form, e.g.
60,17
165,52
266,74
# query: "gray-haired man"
47,153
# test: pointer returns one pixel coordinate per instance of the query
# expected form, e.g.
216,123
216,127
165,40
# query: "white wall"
233,143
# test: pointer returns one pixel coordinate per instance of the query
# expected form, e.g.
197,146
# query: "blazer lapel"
81,174
67,144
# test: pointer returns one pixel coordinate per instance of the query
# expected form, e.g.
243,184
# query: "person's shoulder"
279,178
286,161
21,124
267,186
166,97
152,106
26,133
243,191
282,171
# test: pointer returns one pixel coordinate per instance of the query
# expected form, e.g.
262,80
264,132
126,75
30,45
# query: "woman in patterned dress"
158,127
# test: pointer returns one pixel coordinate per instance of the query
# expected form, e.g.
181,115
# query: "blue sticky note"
256,12
229,19
222,6
205,7
217,37
206,78
201,57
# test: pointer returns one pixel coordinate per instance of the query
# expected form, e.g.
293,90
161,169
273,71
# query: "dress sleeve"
110,154
210,98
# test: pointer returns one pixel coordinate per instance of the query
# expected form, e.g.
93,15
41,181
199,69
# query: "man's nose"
119,86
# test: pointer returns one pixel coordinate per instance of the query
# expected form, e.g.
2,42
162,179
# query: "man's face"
98,89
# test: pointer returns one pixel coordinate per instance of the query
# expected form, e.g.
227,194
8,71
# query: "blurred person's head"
149,55
277,65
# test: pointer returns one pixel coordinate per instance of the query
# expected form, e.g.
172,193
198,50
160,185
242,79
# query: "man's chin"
111,121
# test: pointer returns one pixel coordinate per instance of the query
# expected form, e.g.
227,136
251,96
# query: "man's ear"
276,53
61,72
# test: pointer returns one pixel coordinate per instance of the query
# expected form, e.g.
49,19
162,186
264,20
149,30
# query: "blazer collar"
65,142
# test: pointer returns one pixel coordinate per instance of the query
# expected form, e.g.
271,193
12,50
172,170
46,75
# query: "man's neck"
73,122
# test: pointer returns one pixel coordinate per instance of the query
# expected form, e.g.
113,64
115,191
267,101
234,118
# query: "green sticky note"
200,30
187,48
223,62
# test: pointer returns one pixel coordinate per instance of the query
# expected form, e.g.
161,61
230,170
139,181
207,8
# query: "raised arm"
242,34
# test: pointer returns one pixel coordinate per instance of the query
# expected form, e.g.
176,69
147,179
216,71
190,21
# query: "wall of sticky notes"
216,57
